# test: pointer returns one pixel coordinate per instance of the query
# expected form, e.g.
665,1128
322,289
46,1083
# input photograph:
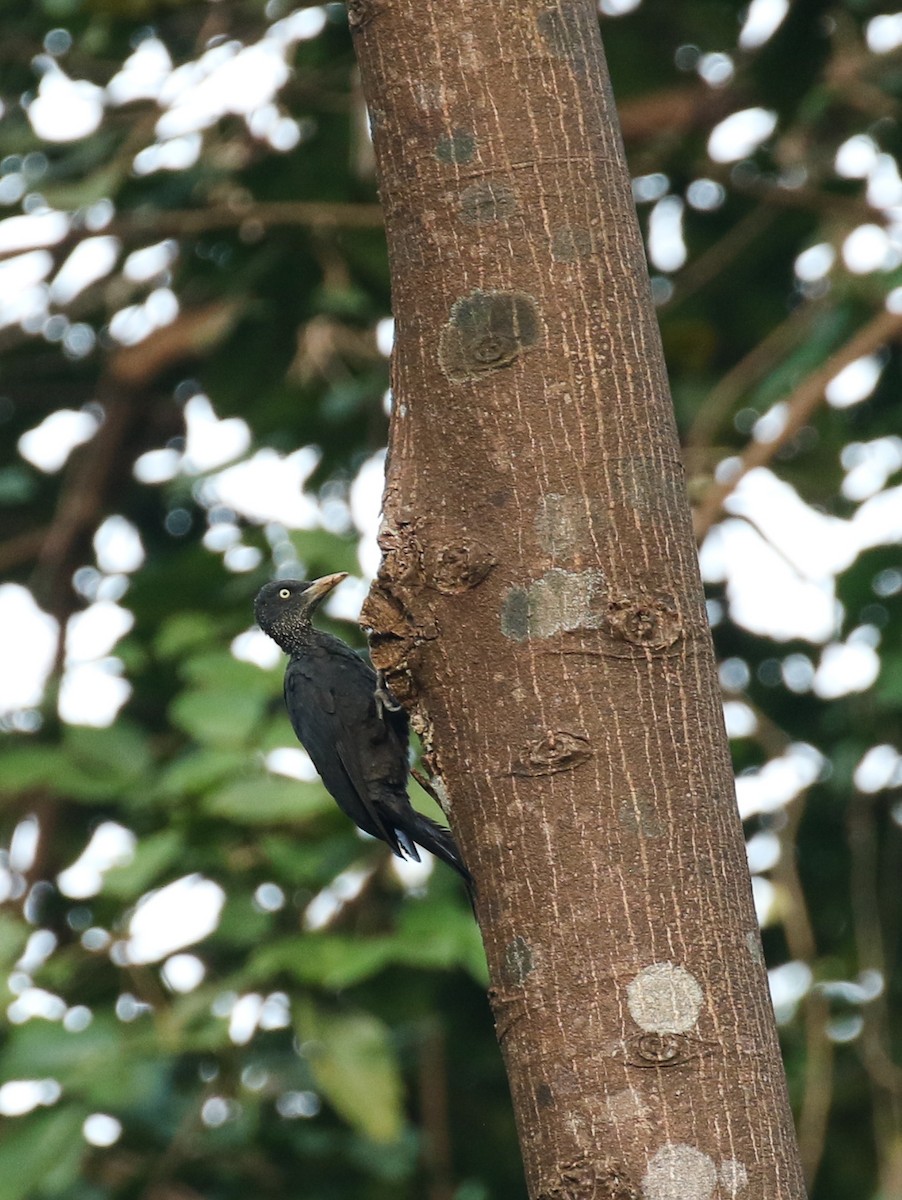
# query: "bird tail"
432,837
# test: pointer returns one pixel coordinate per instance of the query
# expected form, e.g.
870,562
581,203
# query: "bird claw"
385,701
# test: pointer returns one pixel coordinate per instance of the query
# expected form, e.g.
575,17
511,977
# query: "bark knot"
558,750
664,1049
651,620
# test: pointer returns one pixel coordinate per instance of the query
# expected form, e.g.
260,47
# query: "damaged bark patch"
558,601
487,331
568,525
456,567
518,960
583,1179
361,12
558,750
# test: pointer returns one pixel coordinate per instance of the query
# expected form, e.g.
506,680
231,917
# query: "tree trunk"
539,609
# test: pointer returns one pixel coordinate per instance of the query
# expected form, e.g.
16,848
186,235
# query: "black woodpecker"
355,734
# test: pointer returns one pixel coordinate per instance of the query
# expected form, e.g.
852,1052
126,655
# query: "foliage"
278,1054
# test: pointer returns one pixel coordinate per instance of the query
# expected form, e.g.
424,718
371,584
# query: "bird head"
284,608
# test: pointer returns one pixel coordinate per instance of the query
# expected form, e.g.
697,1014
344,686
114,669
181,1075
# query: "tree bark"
540,611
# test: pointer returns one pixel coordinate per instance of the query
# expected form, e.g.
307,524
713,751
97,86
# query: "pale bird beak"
320,588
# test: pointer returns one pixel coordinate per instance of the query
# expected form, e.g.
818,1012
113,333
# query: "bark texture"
540,610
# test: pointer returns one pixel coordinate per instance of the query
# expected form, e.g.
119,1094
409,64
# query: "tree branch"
802,404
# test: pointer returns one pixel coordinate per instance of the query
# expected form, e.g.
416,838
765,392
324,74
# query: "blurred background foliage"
212,986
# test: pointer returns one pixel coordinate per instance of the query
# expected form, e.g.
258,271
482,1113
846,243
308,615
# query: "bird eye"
284,593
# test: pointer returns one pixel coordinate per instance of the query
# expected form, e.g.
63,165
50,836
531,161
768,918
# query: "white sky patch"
884,33
21,1096
175,916
763,19
211,443
28,640
174,154
255,647
227,79
34,229
774,785
49,444
244,1018
789,984
845,667
292,762
385,336
327,904
92,633
741,134
268,487
142,75
65,109
880,767
617,8
716,69
366,507
815,262
855,382
111,845
91,260
856,157
345,603
118,546
100,1129
866,249
19,273
150,261
666,247
157,466
132,324
92,693
884,188
34,1002
739,719
183,972
765,594
762,851
23,846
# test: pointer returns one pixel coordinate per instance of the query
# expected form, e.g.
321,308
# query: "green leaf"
264,800
199,770
184,632
38,1146
103,763
329,961
13,936
355,1067
218,716
153,855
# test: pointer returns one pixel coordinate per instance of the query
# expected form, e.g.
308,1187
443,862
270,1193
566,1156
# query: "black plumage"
356,738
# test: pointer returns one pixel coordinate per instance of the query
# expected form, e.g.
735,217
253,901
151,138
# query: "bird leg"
426,785
385,701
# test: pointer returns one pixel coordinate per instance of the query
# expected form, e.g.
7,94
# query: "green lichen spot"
570,242
487,331
459,146
485,202
559,601
515,615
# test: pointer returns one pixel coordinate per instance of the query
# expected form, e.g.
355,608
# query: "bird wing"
330,697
